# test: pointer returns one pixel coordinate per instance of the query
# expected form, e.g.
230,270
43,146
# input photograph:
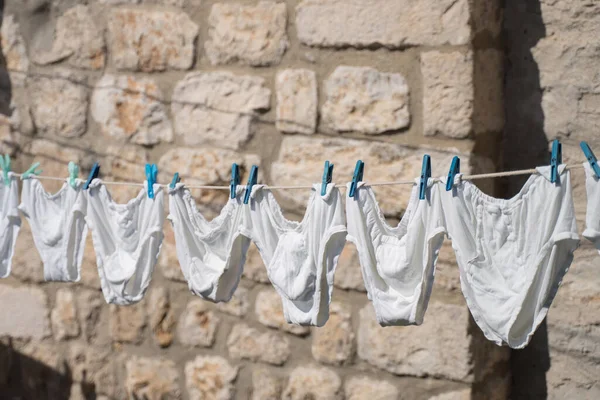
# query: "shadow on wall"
524,146
5,85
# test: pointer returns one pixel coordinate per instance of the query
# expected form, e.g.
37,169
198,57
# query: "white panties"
592,215
10,222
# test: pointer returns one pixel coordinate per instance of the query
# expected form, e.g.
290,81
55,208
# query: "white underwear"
512,254
398,263
10,222
301,257
592,215
58,227
127,239
211,254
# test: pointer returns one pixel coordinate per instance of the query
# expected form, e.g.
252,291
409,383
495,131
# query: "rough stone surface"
130,108
26,264
197,325
161,317
217,107
334,343
312,382
255,269
148,40
248,343
168,263
489,91
359,388
210,377
127,323
404,351
464,394
252,34
64,316
238,305
269,312
348,274
296,101
30,305
363,99
13,50
59,103
77,39
266,385
90,304
152,379
92,365
448,93
368,23
89,267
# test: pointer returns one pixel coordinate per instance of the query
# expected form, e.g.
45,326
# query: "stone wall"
197,85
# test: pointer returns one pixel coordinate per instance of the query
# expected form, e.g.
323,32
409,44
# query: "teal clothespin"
73,174
555,160
151,174
327,176
93,175
251,182
591,157
175,180
31,171
425,175
454,169
235,180
357,177
5,164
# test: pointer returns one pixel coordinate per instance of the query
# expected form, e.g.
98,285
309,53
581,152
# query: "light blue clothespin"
93,175
5,164
151,173
251,182
425,175
327,176
73,174
454,169
31,171
357,177
235,180
591,157
175,180
556,160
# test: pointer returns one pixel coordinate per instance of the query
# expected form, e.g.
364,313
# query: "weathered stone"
35,360
359,388
13,50
448,93
197,325
312,382
266,385
59,103
89,266
127,323
250,34
249,343
348,274
296,101
162,319
168,263
90,305
124,162
334,343
362,99
367,23
217,107
464,394
27,264
489,91
269,312
130,108
64,316
152,379
30,305
144,40
77,39
238,305
404,351
210,377
92,365
254,268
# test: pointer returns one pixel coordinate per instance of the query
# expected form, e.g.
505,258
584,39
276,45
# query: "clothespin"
73,174
327,176
591,157
454,169
555,160
175,180
5,164
93,175
31,171
425,175
251,182
235,180
357,177
151,173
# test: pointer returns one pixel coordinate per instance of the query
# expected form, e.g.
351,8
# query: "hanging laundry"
127,239
11,221
592,215
512,254
58,227
397,263
300,257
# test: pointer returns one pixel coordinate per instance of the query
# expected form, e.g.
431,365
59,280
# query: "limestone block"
314,383
65,324
334,343
296,101
152,379
24,312
127,323
358,388
348,274
266,385
238,305
197,325
269,312
245,342
210,377
161,316
14,50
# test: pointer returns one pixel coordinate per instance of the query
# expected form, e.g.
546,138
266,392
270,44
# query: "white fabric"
211,254
58,227
10,222
512,254
592,215
127,239
397,263
300,257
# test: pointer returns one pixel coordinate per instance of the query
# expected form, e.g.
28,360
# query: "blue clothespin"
31,171
591,157
556,160
327,176
151,173
175,180
425,175
73,174
357,177
93,175
251,182
5,164
235,180
454,169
